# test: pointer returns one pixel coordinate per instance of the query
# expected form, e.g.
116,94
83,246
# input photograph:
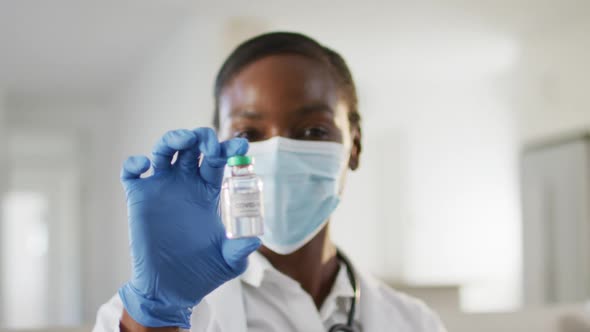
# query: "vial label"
245,205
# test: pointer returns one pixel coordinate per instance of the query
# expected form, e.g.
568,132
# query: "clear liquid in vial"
242,209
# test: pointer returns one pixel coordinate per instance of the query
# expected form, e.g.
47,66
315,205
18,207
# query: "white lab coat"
225,309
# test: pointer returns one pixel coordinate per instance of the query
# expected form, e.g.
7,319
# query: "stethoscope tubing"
355,283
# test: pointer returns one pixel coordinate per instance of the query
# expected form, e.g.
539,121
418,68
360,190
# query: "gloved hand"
178,245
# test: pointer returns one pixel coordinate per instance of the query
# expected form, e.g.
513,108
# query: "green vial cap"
239,161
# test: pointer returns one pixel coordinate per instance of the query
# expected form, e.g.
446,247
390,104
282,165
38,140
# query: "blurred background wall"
449,93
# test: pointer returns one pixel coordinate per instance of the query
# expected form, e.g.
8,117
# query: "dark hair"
287,43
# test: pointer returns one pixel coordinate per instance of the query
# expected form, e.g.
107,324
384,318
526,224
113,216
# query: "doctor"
291,101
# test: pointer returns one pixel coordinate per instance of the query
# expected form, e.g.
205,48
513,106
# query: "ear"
355,152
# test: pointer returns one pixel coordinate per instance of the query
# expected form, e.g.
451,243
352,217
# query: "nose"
278,130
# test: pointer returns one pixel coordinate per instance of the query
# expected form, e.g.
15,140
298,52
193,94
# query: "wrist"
128,324
154,312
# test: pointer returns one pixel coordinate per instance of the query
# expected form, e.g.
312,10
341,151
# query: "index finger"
168,145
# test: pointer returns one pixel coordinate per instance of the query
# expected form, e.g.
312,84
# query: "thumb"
235,252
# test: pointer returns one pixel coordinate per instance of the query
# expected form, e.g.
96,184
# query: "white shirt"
264,299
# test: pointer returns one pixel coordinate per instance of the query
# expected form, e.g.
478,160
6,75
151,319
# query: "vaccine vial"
242,210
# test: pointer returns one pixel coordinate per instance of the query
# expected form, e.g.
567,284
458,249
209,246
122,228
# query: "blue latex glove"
178,245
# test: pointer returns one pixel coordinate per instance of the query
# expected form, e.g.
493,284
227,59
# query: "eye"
252,135
315,133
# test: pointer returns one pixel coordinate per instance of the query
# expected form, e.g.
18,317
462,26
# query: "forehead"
279,82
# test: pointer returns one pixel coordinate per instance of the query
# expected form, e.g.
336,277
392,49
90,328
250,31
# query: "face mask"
301,188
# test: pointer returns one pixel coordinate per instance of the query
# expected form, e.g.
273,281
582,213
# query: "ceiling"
90,49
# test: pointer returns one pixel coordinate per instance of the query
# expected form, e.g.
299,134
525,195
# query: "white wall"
554,79
102,225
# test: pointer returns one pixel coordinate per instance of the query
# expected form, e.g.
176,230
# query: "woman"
291,101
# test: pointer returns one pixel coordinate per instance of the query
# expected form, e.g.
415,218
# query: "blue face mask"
301,188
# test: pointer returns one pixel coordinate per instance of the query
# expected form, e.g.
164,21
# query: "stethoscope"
349,327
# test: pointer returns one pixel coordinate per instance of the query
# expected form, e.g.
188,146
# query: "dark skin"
295,97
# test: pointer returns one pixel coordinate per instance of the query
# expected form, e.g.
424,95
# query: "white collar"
258,265
259,270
